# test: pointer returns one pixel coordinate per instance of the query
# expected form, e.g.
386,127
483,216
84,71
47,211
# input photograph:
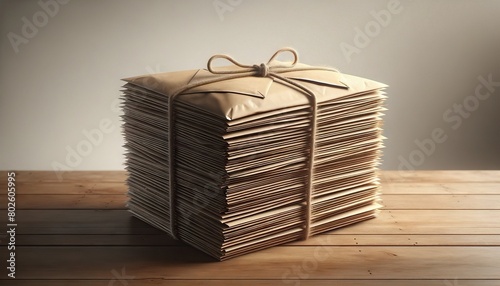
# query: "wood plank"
334,239
429,222
78,222
440,188
113,188
388,222
57,230
67,177
162,239
76,219
284,262
118,202
120,281
429,176
71,202
71,188
441,202
441,176
103,188
331,239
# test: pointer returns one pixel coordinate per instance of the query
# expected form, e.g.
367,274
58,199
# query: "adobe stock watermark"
75,155
363,37
120,278
455,116
224,6
31,26
93,138
302,271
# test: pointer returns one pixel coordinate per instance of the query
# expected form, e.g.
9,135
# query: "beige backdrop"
61,62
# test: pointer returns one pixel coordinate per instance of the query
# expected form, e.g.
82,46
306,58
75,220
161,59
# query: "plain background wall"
64,79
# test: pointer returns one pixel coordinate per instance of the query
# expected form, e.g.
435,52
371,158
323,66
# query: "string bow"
262,70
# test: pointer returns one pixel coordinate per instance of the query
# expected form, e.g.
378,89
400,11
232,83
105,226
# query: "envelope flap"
320,77
252,86
165,83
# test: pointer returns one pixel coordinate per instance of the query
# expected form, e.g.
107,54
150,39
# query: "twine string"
271,70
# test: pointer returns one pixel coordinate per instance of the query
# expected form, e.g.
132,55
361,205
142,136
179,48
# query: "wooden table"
437,228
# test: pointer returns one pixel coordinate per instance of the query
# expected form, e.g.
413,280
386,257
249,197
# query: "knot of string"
240,70
262,70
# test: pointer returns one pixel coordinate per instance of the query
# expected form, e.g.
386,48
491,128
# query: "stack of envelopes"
241,152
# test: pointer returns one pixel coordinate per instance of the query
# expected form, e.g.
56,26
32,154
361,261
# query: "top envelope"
234,98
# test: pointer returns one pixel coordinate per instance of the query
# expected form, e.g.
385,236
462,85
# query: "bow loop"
283,50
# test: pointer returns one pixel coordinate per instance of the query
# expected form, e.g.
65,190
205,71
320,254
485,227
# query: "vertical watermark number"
11,224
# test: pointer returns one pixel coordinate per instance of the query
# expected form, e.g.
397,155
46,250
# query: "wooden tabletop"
437,228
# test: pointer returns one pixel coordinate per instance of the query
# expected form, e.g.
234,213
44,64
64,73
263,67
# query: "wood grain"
119,201
68,202
440,176
331,239
283,262
253,282
388,222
